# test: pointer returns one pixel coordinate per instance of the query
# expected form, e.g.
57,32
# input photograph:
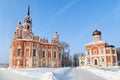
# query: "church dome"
96,32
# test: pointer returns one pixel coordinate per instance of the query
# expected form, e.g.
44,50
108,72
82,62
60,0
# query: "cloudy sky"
74,20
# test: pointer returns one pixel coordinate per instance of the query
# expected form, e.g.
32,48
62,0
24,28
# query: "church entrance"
95,62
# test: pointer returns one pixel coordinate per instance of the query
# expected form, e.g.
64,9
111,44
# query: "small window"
34,52
19,52
43,54
102,59
54,54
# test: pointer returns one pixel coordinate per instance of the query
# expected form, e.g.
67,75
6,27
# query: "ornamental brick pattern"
28,50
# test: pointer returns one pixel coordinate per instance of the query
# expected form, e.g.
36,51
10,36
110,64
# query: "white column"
111,56
105,55
90,55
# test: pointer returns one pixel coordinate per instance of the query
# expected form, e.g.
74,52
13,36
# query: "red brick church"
28,50
99,52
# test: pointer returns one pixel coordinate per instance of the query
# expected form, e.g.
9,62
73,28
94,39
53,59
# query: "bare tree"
118,55
76,59
64,45
65,54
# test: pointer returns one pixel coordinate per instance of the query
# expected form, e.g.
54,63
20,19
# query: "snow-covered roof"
95,42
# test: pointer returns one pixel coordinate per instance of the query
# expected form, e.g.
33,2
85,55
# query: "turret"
18,30
55,38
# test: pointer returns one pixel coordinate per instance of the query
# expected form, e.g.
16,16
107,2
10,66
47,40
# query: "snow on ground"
80,73
83,74
2,69
109,73
43,73
7,75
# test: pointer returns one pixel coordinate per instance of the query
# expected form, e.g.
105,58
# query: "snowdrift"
109,73
43,73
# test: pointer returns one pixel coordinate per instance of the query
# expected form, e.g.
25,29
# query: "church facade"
28,50
100,53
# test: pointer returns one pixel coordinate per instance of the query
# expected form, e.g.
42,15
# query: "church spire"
28,18
28,10
28,21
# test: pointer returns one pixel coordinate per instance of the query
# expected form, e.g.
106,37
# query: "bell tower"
27,25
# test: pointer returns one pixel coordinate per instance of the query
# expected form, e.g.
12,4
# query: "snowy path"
82,74
7,75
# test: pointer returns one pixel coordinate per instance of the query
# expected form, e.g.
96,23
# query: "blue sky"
74,20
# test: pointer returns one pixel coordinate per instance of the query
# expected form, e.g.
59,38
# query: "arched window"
19,52
28,27
43,54
34,52
95,62
95,52
102,59
88,52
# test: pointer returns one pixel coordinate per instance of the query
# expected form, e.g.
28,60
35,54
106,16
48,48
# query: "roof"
95,42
